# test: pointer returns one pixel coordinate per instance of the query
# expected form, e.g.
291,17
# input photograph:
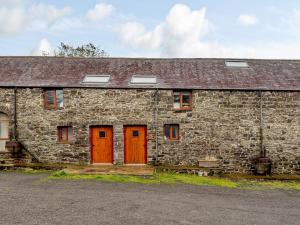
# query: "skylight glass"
96,79
237,64
137,79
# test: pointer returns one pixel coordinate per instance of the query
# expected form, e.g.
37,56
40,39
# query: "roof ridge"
146,58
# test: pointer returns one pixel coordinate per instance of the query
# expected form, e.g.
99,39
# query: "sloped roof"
171,73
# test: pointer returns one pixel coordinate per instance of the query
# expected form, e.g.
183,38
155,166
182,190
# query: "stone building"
140,111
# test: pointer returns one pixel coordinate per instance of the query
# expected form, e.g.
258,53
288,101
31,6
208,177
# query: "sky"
154,28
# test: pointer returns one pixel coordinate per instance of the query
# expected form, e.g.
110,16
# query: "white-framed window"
236,63
4,134
143,79
96,79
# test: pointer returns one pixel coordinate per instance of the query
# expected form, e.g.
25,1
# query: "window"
65,134
139,79
135,133
236,63
182,100
53,99
96,79
172,131
4,121
102,134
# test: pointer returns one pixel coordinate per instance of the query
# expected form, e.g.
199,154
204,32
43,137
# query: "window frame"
181,108
5,120
105,81
138,80
48,106
60,134
170,127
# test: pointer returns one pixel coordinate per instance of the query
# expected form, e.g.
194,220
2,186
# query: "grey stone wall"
222,124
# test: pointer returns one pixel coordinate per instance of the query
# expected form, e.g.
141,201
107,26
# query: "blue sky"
165,28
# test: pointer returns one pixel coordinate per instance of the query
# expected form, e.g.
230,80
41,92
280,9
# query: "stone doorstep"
110,169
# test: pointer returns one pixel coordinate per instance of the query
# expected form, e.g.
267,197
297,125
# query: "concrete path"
34,199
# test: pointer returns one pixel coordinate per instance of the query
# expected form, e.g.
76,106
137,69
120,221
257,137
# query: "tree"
87,51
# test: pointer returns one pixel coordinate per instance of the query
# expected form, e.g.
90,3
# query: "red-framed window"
171,131
53,99
64,134
182,100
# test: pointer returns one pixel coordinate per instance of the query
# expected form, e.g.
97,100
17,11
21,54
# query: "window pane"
96,79
167,131
49,98
176,100
4,129
59,99
3,126
174,132
236,64
186,100
143,80
63,134
70,134
135,133
102,134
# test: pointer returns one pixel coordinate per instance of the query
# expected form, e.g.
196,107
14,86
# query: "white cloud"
48,13
135,35
247,20
16,16
99,12
12,20
179,35
43,48
67,23
12,17
183,34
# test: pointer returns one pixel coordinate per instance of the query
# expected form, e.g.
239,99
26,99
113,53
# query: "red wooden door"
102,144
135,144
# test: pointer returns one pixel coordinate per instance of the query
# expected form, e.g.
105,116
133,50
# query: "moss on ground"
172,178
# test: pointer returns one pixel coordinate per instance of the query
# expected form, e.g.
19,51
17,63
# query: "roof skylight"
95,79
143,79
236,63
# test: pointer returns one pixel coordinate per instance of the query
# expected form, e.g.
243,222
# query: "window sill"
65,143
171,141
53,110
181,110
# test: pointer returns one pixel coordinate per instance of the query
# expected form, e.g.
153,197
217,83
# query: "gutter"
154,87
15,136
156,125
262,150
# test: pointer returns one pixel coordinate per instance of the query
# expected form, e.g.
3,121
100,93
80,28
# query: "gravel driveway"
34,199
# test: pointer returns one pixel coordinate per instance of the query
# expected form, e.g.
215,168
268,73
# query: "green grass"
28,171
172,178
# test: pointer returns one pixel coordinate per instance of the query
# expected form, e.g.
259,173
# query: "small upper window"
137,79
65,134
182,100
53,99
96,79
172,131
102,134
135,133
236,64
